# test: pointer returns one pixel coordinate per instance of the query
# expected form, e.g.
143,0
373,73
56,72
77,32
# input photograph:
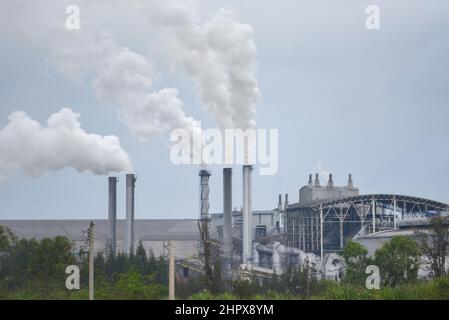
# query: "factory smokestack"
317,180
280,203
330,183
204,193
112,214
310,180
227,211
350,183
130,186
247,214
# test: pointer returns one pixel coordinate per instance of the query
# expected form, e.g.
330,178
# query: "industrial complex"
312,230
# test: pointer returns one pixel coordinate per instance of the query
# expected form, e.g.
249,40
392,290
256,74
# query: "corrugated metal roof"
145,229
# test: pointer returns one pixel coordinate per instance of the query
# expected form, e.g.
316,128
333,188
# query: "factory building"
154,233
311,231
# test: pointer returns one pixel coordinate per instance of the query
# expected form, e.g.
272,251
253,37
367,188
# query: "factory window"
261,231
185,272
220,232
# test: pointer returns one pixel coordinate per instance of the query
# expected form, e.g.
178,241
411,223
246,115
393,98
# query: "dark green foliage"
356,260
398,261
35,269
435,245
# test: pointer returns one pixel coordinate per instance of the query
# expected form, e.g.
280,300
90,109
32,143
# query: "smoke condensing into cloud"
219,54
27,145
125,77
319,168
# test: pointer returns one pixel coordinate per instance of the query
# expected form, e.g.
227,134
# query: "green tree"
7,239
133,286
435,244
356,260
398,261
141,259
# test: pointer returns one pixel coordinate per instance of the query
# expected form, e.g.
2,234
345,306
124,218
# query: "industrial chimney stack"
227,211
247,214
310,180
330,183
350,183
204,193
130,186
112,205
317,180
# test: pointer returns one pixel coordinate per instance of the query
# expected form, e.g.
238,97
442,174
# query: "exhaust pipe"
112,212
204,193
130,186
247,214
227,211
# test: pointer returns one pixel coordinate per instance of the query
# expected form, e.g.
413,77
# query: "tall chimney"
280,204
286,201
350,184
204,193
247,214
310,180
130,185
330,183
317,180
112,206
227,211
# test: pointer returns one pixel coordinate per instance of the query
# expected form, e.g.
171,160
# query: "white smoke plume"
125,78
27,145
319,168
219,54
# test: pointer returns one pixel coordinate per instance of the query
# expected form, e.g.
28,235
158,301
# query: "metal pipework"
112,213
130,186
247,214
227,211
204,193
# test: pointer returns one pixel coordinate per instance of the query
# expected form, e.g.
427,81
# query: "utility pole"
171,270
91,261
323,268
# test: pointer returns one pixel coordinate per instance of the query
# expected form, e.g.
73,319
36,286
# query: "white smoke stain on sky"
217,52
27,145
318,167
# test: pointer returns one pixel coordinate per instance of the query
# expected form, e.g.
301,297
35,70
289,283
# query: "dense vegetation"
35,269
32,269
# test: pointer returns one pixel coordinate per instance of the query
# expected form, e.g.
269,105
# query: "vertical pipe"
341,228
227,211
247,214
204,193
113,213
373,209
130,185
171,270
394,213
321,241
91,260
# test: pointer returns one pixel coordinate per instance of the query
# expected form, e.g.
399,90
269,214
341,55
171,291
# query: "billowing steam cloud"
318,168
125,78
27,145
219,54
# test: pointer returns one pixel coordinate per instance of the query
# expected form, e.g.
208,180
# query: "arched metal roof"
430,205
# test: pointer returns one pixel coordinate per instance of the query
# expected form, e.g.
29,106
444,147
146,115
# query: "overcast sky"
344,99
